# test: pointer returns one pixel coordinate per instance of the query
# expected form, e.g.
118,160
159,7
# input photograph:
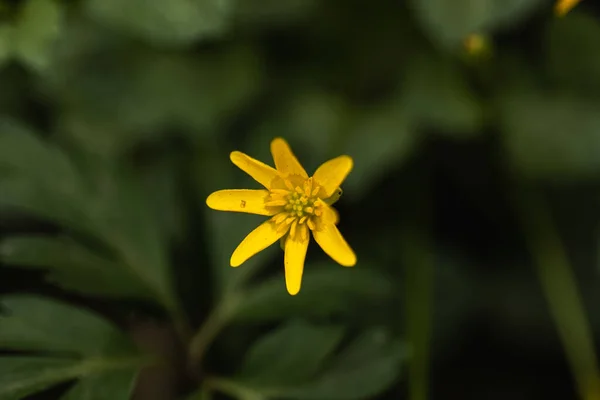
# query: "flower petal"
332,242
259,171
285,161
562,7
295,253
332,173
259,239
241,200
330,215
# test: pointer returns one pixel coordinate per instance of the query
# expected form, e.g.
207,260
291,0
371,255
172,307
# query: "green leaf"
23,152
571,51
364,369
25,195
22,376
39,178
6,46
76,345
111,205
450,21
35,32
292,354
175,22
381,140
226,231
113,385
72,266
127,223
550,135
152,91
35,323
438,97
327,289
264,14
290,368
311,120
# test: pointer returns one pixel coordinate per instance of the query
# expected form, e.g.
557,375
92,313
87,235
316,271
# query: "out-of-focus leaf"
6,37
38,324
571,51
126,222
35,32
438,97
72,266
24,153
226,233
24,195
267,13
311,121
39,178
111,205
451,21
160,179
21,376
175,22
113,385
326,290
366,367
112,105
76,345
291,354
551,136
381,140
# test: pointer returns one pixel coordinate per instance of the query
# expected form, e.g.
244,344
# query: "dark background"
460,154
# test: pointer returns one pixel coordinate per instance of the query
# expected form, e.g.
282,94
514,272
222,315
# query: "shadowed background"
472,207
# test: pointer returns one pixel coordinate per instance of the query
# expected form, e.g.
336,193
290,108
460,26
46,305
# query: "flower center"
298,204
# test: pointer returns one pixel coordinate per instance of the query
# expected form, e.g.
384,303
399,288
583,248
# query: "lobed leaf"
326,290
70,343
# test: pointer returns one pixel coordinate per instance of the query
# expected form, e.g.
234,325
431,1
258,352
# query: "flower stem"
560,288
419,299
418,262
215,322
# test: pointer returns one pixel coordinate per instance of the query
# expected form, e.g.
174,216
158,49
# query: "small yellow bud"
562,7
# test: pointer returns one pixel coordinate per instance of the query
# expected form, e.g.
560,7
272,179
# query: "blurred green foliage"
116,121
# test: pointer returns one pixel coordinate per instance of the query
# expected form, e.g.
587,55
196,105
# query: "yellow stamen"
280,191
311,224
308,187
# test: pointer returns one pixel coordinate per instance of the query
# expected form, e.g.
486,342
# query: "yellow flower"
477,44
296,204
564,6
